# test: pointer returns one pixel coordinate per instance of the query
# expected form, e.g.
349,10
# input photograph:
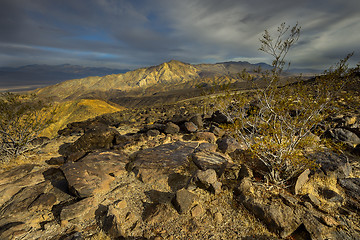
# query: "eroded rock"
278,217
155,165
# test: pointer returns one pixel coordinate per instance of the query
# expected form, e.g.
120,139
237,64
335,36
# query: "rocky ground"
170,172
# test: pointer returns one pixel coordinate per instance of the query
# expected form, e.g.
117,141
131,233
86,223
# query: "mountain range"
34,76
167,76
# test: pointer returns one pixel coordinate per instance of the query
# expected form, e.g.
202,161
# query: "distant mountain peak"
174,61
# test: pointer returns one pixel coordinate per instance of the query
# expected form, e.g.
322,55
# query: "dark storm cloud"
128,33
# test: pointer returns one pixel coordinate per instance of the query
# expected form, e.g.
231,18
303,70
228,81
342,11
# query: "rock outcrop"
164,181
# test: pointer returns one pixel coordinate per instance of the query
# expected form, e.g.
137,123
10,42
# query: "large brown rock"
16,173
352,189
42,202
120,222
27,208
205,136
155,165
208,180
94,173
319,227
285,215
189,127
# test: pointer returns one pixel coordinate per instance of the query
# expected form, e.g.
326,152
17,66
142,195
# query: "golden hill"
77,110
173,72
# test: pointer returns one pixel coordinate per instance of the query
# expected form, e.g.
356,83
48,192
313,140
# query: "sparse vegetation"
276,122
22,118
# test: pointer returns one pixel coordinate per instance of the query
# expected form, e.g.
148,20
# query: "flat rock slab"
153,164
82,210
16,173
13,184
94,173
18,206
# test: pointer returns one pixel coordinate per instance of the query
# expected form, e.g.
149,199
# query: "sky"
136,33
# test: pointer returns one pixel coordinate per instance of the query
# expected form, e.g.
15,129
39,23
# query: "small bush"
276,121
22,118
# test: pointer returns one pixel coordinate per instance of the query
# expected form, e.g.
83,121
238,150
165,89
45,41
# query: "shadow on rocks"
57,179
177,181
7,226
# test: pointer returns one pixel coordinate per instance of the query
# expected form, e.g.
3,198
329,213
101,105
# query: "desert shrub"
22,118
276,120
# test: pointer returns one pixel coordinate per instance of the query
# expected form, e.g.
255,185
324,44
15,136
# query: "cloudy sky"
136,33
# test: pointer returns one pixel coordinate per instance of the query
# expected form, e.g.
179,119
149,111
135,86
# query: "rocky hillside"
171,173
